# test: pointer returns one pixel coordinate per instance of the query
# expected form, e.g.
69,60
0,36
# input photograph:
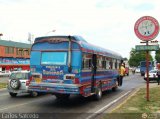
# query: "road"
76,107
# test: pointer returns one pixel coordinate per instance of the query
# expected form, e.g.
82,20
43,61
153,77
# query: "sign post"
146,28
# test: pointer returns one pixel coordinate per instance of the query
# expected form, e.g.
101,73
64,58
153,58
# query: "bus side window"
116,67
118,62
86,61
104,63
99,62
85,64
111,64
108,63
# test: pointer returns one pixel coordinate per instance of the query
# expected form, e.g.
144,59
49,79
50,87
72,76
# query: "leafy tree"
137,56
157,56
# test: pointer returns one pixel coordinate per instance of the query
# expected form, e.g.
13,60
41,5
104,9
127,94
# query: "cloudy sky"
106,23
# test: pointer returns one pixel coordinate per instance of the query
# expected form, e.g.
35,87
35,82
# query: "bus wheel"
34,94
98,93
62,96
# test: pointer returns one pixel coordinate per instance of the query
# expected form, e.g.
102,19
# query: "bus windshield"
54,58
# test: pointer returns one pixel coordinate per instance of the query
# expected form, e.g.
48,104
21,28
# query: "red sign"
146,28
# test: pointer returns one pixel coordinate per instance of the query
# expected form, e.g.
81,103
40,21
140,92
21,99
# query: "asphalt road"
76,107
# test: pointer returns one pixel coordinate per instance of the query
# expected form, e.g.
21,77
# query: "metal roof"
99,50
87,46
14,44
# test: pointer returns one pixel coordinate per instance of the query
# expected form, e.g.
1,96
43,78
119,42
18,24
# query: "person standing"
158,73
121,74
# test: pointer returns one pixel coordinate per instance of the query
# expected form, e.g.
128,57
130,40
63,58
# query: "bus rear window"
54,58
143,64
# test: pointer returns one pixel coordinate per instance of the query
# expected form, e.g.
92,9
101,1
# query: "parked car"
18,83
152,75
137,70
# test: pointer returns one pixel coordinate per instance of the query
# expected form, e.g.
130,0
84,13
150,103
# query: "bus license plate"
38,80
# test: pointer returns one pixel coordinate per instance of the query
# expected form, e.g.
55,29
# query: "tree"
137,56
157,56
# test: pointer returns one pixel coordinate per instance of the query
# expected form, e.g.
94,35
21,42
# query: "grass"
138,107
3,85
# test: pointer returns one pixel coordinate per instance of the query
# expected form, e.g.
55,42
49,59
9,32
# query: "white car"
152,75
18,83
137,70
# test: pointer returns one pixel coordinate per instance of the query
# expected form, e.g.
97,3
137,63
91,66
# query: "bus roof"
85,46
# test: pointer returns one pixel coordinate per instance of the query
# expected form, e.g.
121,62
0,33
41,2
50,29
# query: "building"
14,55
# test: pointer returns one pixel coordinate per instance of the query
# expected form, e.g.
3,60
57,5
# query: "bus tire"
115,87
98,92
34,94
62,96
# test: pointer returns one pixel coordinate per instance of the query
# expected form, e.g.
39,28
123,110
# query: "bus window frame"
89,60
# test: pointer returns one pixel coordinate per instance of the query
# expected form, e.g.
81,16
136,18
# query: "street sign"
146,28
147,47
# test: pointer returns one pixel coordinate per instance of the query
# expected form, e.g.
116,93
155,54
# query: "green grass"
137,106
3,85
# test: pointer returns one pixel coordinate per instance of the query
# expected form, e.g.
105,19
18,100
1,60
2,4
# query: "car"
137,70
18,83
152,75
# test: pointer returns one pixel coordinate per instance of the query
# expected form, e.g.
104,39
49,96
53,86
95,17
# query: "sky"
105,23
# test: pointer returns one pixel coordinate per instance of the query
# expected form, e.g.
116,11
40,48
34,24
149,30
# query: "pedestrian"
158,74
121,74
133,70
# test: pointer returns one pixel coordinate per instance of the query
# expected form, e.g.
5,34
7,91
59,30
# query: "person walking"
133,70
121,74
158,74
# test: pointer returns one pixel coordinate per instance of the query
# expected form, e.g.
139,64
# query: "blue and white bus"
143,67
64,65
